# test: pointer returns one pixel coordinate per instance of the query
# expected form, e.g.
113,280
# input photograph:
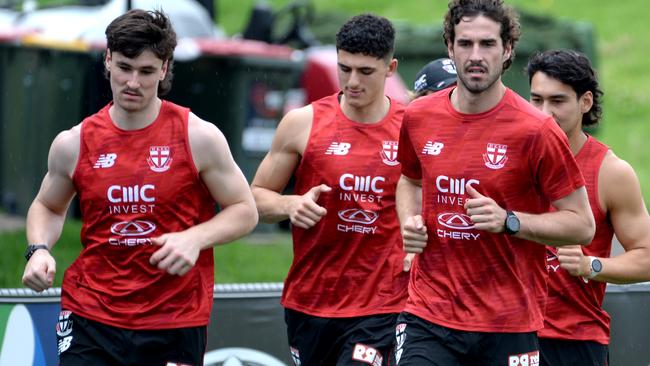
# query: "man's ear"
392,67
507,51
586,101
107,60
165,67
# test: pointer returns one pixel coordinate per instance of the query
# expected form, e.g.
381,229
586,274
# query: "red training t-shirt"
468,279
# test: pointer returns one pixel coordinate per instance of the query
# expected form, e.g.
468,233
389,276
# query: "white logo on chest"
105,161
495,156
160,158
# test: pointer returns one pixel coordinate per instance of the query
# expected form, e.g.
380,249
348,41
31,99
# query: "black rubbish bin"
244,88
44,91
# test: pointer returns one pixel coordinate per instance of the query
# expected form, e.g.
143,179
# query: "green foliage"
621,33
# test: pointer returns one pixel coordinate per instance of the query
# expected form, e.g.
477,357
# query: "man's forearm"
556,228
229,224
408,199
271,205
630,267
43,225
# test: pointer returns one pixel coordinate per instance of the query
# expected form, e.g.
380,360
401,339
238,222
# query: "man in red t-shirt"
345,286
576,328
148,174
481,169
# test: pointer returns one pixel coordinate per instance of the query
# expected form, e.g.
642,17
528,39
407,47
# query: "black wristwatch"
33,248
512,225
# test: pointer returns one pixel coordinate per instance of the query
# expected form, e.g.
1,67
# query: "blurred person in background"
576,330
437,75
149,175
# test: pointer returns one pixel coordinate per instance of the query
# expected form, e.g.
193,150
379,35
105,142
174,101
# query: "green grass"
252,259
248,260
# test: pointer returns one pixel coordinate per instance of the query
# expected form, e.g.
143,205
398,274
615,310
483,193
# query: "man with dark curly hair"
576,327
481,170
346,284
149,175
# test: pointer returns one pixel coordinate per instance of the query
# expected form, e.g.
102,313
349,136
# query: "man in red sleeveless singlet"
576,328
149,174
346,284
481,169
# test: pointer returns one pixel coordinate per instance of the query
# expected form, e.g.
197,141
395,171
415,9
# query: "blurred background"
242,64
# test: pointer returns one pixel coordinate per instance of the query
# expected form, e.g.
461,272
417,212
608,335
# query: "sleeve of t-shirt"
556,170
406,152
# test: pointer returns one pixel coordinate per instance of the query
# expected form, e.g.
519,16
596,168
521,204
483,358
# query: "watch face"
596,265
513,223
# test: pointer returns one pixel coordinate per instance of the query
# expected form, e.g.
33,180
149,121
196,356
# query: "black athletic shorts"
557,352
83,342
365,340
420,342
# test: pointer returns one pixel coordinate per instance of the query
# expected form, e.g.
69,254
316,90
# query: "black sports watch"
512,225
33,248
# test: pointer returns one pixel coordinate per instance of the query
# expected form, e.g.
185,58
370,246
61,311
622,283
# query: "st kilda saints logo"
495,156
389,153
160,158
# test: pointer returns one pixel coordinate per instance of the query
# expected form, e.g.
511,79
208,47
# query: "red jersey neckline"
387,118
106,115
507,96
587,142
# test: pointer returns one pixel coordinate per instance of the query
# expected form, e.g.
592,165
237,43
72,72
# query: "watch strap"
33,248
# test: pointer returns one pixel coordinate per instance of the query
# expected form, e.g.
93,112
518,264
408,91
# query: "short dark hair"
367,34
573,69
138,30
493,9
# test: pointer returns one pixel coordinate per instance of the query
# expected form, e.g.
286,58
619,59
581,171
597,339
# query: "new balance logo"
432,148
63,344
338,148
105,161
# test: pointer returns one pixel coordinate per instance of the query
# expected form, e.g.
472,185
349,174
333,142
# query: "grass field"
253,259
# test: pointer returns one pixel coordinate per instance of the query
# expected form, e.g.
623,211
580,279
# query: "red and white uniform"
350,263
468,279
574,308
133,186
